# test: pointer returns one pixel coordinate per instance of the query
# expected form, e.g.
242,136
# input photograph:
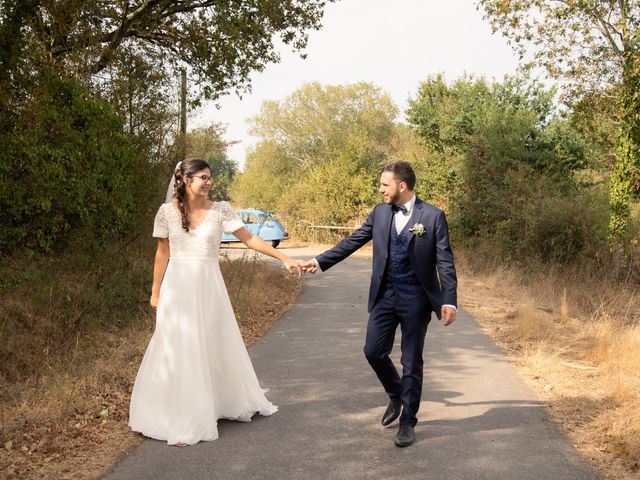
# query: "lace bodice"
201,241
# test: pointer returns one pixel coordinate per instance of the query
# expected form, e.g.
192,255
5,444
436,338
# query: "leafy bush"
507,165
68,170
551,226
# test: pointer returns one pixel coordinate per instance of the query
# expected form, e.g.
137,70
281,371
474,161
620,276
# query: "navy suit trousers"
413,316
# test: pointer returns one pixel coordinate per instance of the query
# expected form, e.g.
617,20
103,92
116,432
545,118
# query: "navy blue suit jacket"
430,254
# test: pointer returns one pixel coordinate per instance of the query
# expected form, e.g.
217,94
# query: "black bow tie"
400,208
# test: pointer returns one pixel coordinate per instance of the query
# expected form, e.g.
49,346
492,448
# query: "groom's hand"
310,266
447,316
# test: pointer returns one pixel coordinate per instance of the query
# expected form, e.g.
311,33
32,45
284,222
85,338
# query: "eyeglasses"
204,178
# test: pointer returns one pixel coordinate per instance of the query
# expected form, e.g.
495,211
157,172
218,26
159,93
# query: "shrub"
68,170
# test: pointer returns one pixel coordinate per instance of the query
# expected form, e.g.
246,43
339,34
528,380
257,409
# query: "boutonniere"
417,229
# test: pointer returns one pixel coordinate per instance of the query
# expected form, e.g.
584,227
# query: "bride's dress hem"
210,436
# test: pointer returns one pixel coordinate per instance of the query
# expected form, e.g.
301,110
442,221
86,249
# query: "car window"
249,218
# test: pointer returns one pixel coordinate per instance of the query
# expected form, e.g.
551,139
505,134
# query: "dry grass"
65,417
577,341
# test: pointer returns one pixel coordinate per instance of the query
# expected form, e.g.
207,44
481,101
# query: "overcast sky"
394,44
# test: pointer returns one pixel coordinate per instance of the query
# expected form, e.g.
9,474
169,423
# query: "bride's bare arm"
159,267
259,245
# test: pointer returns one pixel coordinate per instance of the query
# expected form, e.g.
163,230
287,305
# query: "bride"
196,368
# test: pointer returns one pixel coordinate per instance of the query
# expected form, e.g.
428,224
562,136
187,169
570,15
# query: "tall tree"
62,61
317,121
320,152
589,44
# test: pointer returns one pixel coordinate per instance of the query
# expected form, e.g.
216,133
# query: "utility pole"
183,115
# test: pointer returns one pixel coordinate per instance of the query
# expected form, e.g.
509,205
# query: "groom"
413,275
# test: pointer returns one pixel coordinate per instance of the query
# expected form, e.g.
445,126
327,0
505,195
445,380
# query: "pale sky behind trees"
394,44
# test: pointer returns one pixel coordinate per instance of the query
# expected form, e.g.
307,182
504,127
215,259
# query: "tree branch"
187,8
602,26
118,35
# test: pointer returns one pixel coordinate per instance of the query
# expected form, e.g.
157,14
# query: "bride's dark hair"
186,169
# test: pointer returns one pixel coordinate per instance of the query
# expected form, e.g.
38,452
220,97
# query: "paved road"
478,420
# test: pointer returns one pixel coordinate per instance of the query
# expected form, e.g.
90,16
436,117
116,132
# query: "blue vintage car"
261,223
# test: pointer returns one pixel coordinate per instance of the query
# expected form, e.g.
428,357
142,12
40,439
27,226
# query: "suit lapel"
386,225
416,216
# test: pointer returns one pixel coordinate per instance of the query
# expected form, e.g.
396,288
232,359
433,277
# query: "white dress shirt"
401,219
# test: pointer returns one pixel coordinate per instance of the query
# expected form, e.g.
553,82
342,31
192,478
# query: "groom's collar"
409,205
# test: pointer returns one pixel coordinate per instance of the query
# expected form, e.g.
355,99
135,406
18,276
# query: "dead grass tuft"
564,307
531,325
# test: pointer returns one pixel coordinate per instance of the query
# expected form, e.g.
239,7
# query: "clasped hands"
300,267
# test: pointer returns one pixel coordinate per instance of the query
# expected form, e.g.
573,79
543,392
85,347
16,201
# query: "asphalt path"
477,420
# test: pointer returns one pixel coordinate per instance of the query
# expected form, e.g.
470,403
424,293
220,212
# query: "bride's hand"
293,264
153,301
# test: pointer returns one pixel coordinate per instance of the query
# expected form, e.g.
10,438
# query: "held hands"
307,267
293,265
448,316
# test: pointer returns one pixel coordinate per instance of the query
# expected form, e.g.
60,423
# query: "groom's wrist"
450,306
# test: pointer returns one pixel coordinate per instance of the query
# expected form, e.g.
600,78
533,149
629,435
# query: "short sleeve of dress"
160,225
230,220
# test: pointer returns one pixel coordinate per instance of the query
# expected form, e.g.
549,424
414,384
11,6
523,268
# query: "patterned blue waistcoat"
400,275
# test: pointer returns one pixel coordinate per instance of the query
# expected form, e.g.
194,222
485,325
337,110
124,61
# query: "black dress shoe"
406,435
392,412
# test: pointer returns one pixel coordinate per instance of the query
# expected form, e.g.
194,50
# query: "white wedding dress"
196,369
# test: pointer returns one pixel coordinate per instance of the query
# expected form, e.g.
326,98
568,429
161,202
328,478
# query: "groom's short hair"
402,172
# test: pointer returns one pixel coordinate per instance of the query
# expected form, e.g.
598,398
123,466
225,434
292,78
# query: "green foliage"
624,182
67,169
266,176
82,157
67,137
582,42
338,192
437,172
224,171
548,227
621,186
142,91
221,42
591,45
321,152
594,117
505,162
318,121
